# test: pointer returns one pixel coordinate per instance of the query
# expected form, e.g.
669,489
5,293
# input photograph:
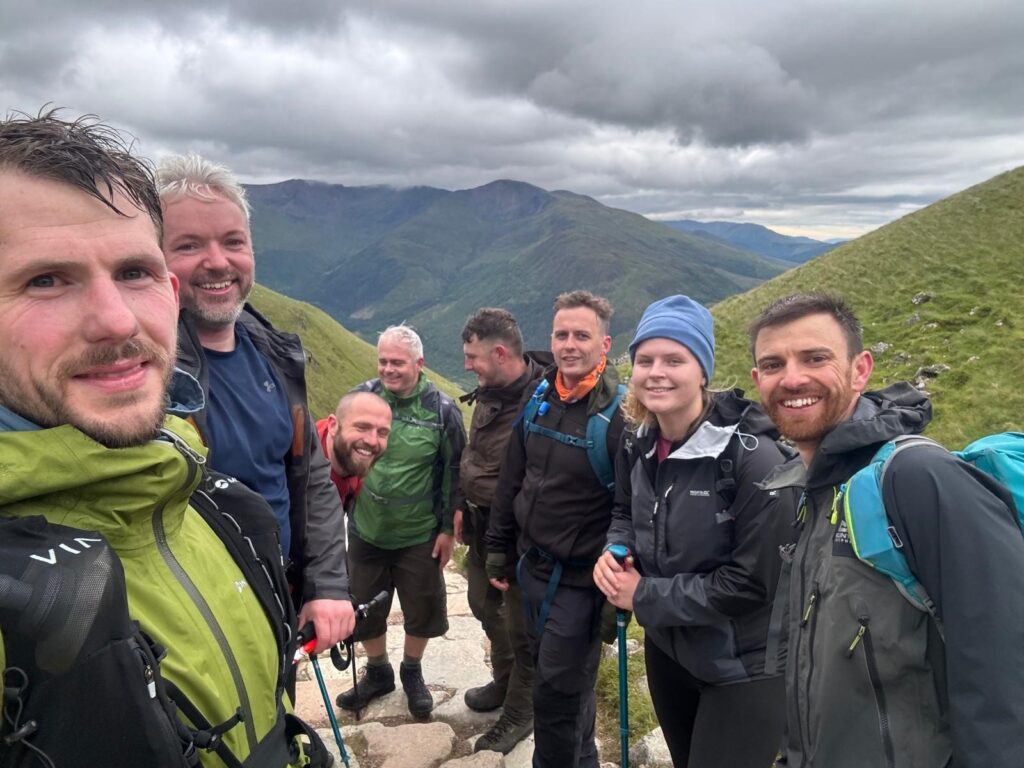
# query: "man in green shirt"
400,532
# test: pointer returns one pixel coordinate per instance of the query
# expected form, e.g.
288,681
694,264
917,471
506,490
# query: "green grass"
967,251
641,712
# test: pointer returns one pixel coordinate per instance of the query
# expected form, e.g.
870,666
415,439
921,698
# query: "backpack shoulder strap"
598,450
874,538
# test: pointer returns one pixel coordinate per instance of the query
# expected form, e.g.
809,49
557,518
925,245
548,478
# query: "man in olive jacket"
492,345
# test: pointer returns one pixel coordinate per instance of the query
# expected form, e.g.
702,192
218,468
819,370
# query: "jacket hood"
730,413
879,416
87,485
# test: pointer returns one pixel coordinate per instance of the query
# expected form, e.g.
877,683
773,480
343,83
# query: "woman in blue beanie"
704,544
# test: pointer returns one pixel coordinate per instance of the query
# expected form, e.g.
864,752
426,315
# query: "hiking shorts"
409,571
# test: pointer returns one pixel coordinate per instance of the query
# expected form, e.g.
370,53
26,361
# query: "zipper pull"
150,678
810,606
183,447
860,634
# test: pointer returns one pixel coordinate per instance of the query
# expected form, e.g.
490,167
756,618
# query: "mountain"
374,256
338,359
938,292
754,237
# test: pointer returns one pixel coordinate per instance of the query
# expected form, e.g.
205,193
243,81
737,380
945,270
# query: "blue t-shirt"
249,424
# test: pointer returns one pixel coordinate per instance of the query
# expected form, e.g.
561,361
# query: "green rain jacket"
409,494
184,589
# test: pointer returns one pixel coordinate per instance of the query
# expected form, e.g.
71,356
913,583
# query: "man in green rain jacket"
136,629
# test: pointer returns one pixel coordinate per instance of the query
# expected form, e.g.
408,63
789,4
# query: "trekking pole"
307,642
307,647
621,555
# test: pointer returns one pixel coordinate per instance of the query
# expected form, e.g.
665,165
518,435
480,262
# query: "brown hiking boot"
503,736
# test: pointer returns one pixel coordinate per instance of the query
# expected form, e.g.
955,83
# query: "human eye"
768,366
642,362
43,281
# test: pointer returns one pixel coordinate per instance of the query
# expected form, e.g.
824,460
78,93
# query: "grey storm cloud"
827,115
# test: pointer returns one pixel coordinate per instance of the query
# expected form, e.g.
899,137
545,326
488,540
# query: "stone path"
387,736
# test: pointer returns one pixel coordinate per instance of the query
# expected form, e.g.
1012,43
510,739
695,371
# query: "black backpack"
82,684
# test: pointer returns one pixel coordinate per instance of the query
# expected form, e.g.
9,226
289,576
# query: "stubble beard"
45,403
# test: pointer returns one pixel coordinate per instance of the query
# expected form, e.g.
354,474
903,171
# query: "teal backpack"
872,534
595,443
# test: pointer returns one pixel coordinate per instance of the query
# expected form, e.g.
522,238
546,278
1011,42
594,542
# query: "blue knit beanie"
681,319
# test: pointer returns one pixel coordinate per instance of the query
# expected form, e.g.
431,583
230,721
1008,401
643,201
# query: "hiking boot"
503,736
485,698
375,680
420,700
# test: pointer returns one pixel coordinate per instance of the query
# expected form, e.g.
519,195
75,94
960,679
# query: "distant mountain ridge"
374,256
756,238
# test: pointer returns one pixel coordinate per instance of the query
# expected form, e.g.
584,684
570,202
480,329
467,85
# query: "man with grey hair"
256,421
400,530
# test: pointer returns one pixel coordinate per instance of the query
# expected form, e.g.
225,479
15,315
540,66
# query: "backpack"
82,684
874,538
596,441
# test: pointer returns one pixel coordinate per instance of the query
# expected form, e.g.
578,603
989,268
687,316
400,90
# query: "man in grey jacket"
256,421
872,680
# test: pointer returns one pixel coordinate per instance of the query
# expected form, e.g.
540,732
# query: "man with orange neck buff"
553,504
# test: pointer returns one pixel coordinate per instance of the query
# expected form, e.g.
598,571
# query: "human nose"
215,258
793,376
108,315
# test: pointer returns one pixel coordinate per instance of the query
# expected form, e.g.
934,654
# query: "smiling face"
399,371
578,342
358,434
668,382
209,248
806,378
88,312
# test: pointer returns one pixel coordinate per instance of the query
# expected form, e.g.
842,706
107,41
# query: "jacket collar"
80,483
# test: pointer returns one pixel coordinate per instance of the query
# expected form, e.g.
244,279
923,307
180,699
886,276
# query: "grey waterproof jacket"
870,682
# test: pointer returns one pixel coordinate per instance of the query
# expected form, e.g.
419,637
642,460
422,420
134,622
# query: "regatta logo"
50,558
698,492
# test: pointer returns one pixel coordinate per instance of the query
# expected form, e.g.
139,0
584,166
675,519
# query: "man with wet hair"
136,628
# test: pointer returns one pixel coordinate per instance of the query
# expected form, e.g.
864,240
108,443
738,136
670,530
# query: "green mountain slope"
371,257
963,260
338,359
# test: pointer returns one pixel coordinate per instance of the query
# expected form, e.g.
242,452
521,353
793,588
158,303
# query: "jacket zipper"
863,636
810,616
194,461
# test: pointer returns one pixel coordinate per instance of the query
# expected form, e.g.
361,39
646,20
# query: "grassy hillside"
338,359
963,260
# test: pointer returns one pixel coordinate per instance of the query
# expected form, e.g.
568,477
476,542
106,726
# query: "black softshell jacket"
548,492
709,568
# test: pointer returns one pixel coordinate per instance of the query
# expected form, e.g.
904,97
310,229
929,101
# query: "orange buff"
582,389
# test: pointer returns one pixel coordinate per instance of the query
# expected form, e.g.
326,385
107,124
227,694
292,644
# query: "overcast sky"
817,117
